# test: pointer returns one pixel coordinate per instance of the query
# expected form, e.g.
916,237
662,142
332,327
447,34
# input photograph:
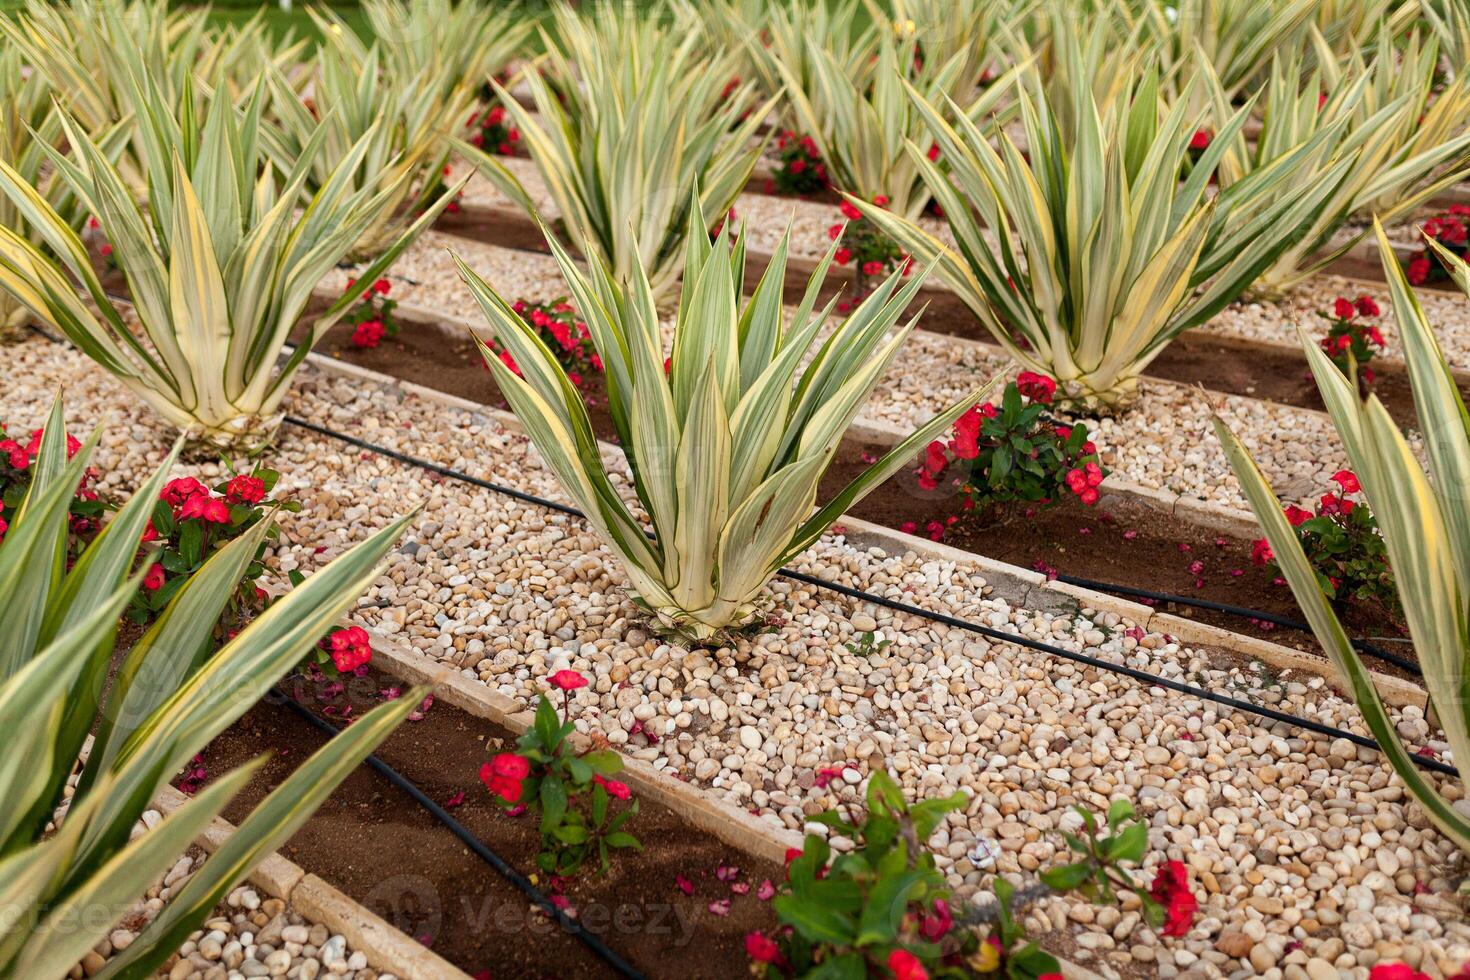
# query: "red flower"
872,267
245,489
933,151
761,948
503,776
1418,270
1395,971
796,166
34,446
1348,480
881,200
17,457
568,680
835,232
1037,387
1367,306
1343,309
153,581
368,333
1171,890
842,256
906,966
850,211
211,510
966,444
1201,139
935,926
176,492
350,648
150,533
1261,551
382,287
614,788
1296,516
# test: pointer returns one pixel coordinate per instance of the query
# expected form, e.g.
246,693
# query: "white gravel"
1306,852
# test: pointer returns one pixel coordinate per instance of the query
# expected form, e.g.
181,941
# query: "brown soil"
373,842
1067,537
1224,364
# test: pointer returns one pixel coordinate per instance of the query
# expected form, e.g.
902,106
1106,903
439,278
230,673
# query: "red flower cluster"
1350,339
561,330
491,131
874,253
190,522
373,319
15,479
1450,229
349,648
1342,543
801,171
1171,890
505,775
990,469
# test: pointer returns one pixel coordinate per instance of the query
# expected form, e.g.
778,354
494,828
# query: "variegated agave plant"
405,94
64,889
220,263
1425,522
861,124
631,118
1398,155
1085,259
727,448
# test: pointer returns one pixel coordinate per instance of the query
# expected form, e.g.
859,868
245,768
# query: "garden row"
1021,733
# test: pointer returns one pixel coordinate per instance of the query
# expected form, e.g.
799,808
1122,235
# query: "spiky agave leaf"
172,695
1425,524
631,118
728,448
1396,156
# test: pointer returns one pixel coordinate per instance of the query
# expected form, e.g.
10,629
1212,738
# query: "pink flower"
906,966
765,891
567,680
684,884
720,906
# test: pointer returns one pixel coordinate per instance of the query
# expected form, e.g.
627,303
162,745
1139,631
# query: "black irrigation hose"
1363,646
1245,707
495,861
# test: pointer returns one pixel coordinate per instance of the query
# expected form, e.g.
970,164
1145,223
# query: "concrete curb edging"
1018,585
387,949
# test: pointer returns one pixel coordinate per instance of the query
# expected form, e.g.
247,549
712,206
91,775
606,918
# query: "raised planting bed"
385,851
1068,538
1163,445
1292,836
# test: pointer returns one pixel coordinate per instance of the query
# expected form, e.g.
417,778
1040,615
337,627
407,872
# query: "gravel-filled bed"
1165,442
1305,850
